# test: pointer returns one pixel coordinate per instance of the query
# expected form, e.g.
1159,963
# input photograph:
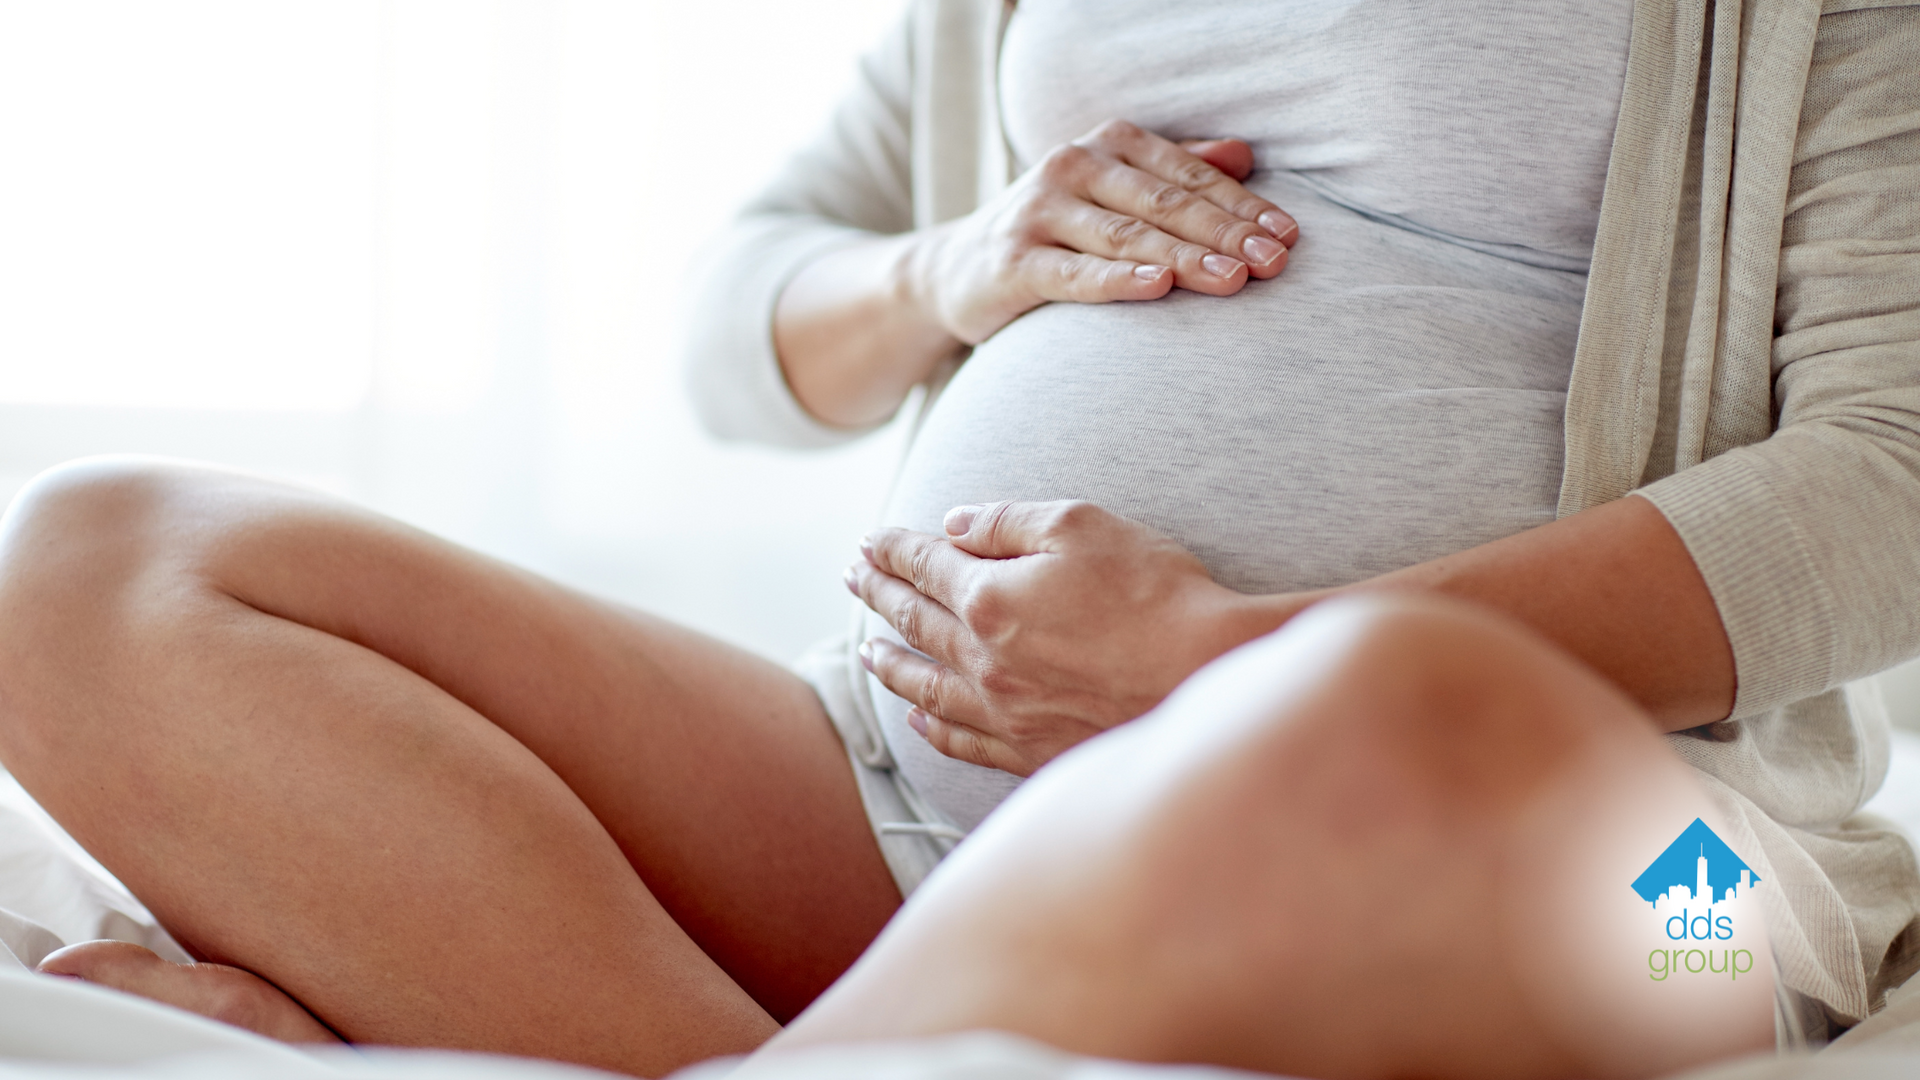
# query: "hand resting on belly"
1117,214
1044,624
1048,623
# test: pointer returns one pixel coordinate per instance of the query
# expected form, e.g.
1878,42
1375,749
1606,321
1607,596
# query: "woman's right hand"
1117,214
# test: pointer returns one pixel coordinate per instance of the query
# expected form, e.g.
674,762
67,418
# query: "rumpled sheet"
52,1029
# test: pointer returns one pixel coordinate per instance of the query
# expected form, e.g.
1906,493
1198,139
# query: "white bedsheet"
52,1030
52,893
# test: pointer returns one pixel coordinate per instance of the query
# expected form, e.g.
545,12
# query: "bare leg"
435,799
1394,839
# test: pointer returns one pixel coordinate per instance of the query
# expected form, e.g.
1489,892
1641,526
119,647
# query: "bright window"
427,254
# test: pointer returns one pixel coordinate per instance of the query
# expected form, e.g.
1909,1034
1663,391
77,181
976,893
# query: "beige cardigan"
1748,359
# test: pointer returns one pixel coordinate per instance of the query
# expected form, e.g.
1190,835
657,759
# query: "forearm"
1612,585
854,336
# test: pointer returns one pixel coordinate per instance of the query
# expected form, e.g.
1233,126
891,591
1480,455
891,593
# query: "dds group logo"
1699,891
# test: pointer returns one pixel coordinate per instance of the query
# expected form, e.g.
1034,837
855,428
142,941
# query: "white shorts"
912,837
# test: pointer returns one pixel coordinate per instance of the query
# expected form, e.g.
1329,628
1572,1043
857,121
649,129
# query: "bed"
52,894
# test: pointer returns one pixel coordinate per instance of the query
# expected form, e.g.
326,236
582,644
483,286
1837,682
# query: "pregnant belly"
1314,431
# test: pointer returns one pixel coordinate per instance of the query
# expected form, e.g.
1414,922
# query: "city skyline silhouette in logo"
1698,862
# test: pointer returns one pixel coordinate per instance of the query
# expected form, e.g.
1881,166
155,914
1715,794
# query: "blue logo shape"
1696,860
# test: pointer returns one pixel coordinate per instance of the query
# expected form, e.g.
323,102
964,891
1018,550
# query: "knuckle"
968,746
1187,254
991,521
1230,234
918,561
1195,175
933,691
1250,207
1063,163
979,753
984,609
997,681
1166,198
1074,514
906,620
940,736
1117,132
1077,268
1124,232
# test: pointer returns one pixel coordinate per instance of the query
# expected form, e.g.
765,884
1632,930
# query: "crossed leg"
1393,839
436,800
444,803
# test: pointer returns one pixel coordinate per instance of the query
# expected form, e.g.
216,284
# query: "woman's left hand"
1046,624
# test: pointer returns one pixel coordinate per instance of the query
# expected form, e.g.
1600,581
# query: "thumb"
1008,530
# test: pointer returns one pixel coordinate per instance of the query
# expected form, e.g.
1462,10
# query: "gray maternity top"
1397,393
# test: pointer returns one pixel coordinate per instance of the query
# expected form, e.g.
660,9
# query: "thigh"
714,771
1394,839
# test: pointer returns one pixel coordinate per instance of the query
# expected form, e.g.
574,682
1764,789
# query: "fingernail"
917,720
866,548
1261,251
1280,225
1220,265
960,519
1149,273
852,578
866,655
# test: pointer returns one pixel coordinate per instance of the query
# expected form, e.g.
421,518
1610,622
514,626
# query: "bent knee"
1430,667
92,492
1431,706
80,524
84,542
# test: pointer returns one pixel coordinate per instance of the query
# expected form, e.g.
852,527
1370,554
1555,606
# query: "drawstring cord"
922,828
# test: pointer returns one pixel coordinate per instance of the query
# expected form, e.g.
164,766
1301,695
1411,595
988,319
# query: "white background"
429,254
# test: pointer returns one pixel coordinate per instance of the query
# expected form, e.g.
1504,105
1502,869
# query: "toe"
227,994
110,963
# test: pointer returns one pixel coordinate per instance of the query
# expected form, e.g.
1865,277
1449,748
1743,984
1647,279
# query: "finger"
929,563
931,685
921,622
963,743
1104,207
1095,230
1009,530
1150,153
1230,156
1077,277
1190,216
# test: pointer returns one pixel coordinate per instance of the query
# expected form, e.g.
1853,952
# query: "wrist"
852,338
1231,619
915,281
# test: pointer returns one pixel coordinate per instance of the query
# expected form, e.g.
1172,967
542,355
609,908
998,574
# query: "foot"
222,993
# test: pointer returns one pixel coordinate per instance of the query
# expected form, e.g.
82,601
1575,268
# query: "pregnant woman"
1596,324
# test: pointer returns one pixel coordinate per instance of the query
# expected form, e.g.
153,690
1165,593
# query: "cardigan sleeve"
1810,540
851,181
